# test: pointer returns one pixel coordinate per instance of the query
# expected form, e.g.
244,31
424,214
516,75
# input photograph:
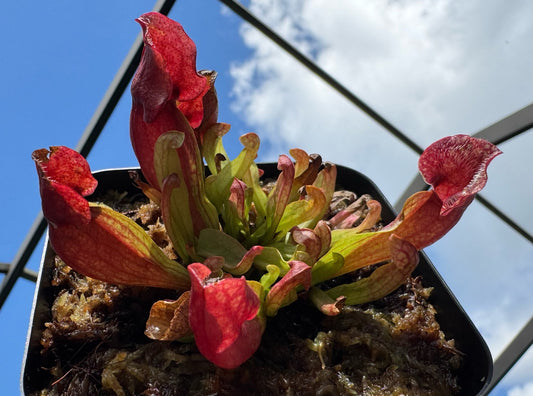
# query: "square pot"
473,377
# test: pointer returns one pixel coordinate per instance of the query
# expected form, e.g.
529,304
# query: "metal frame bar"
26,273
85,144
501,131
508,127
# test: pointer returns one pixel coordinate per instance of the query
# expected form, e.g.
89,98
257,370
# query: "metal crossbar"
26,274
496,133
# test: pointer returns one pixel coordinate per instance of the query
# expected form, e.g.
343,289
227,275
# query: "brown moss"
386,348
94,344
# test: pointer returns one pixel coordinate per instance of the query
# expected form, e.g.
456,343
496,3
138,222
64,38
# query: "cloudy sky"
431,68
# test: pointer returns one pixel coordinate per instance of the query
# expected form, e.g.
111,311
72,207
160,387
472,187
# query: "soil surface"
95,344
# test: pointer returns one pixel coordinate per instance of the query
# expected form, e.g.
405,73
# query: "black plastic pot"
474,376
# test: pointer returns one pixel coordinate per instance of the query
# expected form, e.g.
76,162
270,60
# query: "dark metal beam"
26,274
503,217
508,127
21,258
85,144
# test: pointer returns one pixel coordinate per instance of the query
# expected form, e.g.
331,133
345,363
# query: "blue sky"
445,69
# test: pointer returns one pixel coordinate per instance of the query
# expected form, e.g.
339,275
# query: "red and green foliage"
243,253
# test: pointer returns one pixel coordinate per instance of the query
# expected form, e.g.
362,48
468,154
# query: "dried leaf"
169,319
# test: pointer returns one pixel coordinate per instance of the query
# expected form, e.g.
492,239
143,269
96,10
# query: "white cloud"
524,390
417,61
432,68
